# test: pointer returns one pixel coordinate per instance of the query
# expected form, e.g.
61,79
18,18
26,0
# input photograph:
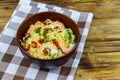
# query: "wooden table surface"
101,56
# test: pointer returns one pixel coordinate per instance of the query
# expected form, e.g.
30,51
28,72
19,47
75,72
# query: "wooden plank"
6,10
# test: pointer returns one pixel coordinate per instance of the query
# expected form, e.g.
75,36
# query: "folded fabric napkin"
13,66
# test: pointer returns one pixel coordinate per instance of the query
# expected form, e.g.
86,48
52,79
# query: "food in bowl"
48,39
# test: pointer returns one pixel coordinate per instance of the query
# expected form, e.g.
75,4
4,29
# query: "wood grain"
101,56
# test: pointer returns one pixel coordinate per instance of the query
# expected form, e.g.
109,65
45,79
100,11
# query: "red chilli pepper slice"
27,48
56,43
43,22
46,53
56,27
41,40
45,31
34,44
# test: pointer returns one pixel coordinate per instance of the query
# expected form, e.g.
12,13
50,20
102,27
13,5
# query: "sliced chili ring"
56,43
56,27
43,22
34,44
27,48
41,40
46,53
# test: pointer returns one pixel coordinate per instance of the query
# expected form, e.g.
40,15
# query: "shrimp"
33,28
49,45
56,23
64,49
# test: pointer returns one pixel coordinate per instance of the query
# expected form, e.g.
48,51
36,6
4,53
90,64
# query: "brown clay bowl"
42,16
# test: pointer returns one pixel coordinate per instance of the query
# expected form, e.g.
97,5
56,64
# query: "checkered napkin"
13,66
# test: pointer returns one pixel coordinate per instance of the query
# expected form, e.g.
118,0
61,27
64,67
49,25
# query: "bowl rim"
26,53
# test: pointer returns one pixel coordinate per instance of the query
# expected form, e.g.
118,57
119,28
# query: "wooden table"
101,56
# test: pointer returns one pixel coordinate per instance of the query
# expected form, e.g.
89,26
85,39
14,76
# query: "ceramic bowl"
42,16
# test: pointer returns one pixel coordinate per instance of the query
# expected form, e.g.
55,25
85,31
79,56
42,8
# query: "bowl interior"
69,23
